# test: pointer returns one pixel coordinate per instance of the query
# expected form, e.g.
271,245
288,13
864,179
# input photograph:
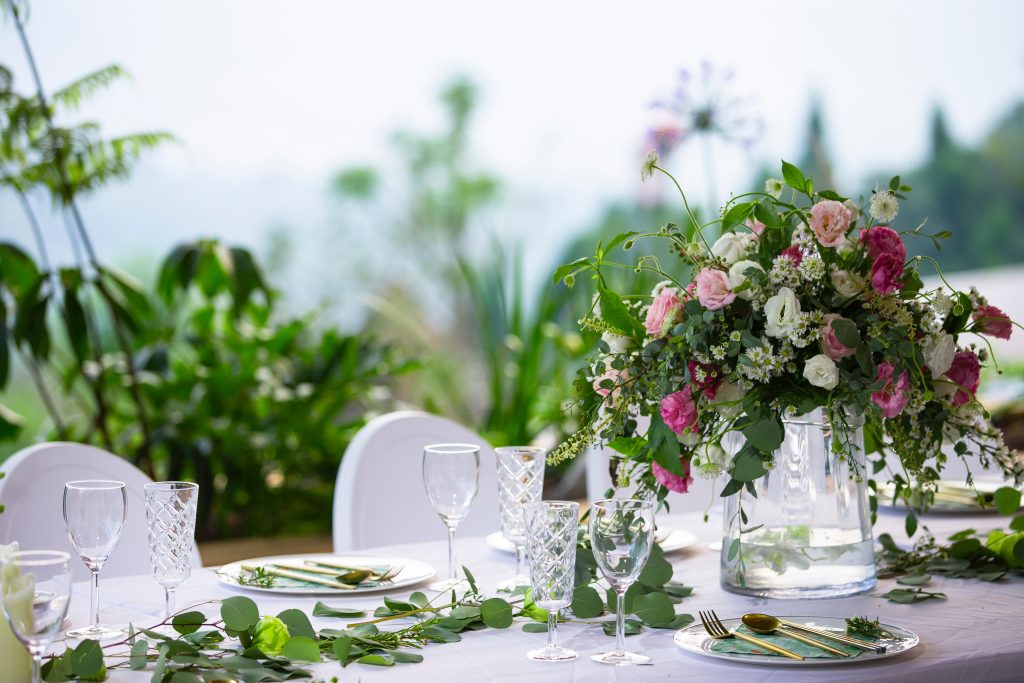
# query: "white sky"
269,98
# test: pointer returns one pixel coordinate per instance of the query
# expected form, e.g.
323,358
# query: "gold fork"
717,630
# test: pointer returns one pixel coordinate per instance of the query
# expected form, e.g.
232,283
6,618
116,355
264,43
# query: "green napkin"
737,646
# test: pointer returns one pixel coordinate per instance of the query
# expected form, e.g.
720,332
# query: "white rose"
737,277
821,371
847,283
781,311
730,247
727,399
616,342
938,353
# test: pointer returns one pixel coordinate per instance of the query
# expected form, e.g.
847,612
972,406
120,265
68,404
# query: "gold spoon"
766,624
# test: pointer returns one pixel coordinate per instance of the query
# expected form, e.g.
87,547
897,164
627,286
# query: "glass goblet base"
509,585
553,654
620,658
96,633
447,585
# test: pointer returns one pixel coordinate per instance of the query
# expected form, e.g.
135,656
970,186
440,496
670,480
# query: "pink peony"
892,397
882,240
708,380
830,220
830,343
793,252
679,411
964,373
664,313
673,482
993,322
713,290
756,226
887,273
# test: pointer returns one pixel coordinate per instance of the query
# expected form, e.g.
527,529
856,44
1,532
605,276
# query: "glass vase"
807,533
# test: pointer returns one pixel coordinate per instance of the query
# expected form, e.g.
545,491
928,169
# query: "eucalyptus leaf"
654,609
302,649
322,610
86,659
239,613
138,658
298,623
377,660
188,622
496,613
535,627
586,603
1007,500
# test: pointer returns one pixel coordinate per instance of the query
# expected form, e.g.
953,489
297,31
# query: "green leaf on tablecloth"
419,599
302,649
161,664
86,659
188,622
470,579
138,658
322,610
496,613
401,657
586,603
239,613
377,660
906,596
1007,500
680,621
441,635
341,646
298,623
534,627
658,571
465,612
910,524
631,593
632,627
654,609
914,579
678,590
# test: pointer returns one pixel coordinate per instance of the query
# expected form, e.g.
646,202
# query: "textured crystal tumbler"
520,481
171,520
551,544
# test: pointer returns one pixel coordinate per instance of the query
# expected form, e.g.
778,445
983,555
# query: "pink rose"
830,220
793,252
713,290
892,397
887,273
706,377
993,322
882,240
756,226
673,482
830,343
664,313
616,376
679,411
965,373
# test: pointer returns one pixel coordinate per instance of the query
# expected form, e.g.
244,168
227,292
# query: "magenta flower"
887,274
993,322
679,411
673,482
882,240
965,373
793,252
706,377
891,398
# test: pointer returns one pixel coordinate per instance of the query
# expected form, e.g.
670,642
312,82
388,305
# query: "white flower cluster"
783,273
710,461
805,329
977,299
774,187
764,363
884,206
812,269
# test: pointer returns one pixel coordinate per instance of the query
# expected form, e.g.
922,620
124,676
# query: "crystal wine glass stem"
168,602
620,621
94,598
451,552
520,556
37,663
553,629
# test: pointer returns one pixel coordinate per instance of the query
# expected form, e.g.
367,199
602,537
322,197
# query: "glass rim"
618,502
451,448
168,486
520,449
551,504
36,558
95,484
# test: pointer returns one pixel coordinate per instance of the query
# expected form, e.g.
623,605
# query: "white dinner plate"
413,571
669,538
695,639
952,497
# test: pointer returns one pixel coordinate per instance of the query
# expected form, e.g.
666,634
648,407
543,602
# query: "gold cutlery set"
328,573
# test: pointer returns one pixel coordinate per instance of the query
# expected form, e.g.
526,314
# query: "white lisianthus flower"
727,399
737,276
846,283
730,247
617,343
939,351
853,208
712,461
822,371
884,206
774,187
650,161
781,312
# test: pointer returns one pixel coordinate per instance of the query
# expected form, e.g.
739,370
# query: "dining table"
972,636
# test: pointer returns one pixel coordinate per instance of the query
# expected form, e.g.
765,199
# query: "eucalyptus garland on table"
250,647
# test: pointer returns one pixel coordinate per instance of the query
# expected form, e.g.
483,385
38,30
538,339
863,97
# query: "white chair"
379,497
33,493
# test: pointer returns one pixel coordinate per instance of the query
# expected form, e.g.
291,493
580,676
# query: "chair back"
379,497
33,493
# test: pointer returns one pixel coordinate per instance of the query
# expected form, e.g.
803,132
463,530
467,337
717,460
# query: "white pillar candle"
17,664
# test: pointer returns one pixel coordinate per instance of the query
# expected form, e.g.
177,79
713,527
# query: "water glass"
451,475
36,599
94,516
621,535
171,521
520,481
551,543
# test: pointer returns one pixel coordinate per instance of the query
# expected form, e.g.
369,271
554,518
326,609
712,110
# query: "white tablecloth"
973,636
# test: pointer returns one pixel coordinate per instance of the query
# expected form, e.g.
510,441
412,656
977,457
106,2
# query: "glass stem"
37,666
168,602
451,553
620,621
520,556
94,597
553,629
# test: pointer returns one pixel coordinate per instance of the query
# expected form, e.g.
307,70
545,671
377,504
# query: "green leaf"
86,659
630,446
1017,523
239,613
470,579
678,590
496,613
419,599
654,609
465,612
765,435
632,627
736,215
910,524
1007,500
793,176
664,445
586,603
732,487
302,649
914,579
185,677
907,596
377,660
615,313
680,621
658,571
441,635
17,269
401,657
846,332
297,623
138,659
734,548
161,663
748,465
322,610
188,622
564,270
534,627
342,646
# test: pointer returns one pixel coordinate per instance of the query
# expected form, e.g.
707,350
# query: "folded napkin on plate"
737,646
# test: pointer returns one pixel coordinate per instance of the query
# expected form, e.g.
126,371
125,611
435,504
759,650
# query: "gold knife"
841,637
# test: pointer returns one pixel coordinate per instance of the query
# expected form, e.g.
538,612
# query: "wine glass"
520,481
451,475
94,516
621,535
171,523
551,542
36,600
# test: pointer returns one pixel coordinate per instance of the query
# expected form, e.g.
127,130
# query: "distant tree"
815,160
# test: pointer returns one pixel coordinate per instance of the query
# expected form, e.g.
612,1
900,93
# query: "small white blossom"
650,161
884,206
812,268
774,187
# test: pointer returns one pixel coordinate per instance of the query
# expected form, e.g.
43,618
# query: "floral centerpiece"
806,300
